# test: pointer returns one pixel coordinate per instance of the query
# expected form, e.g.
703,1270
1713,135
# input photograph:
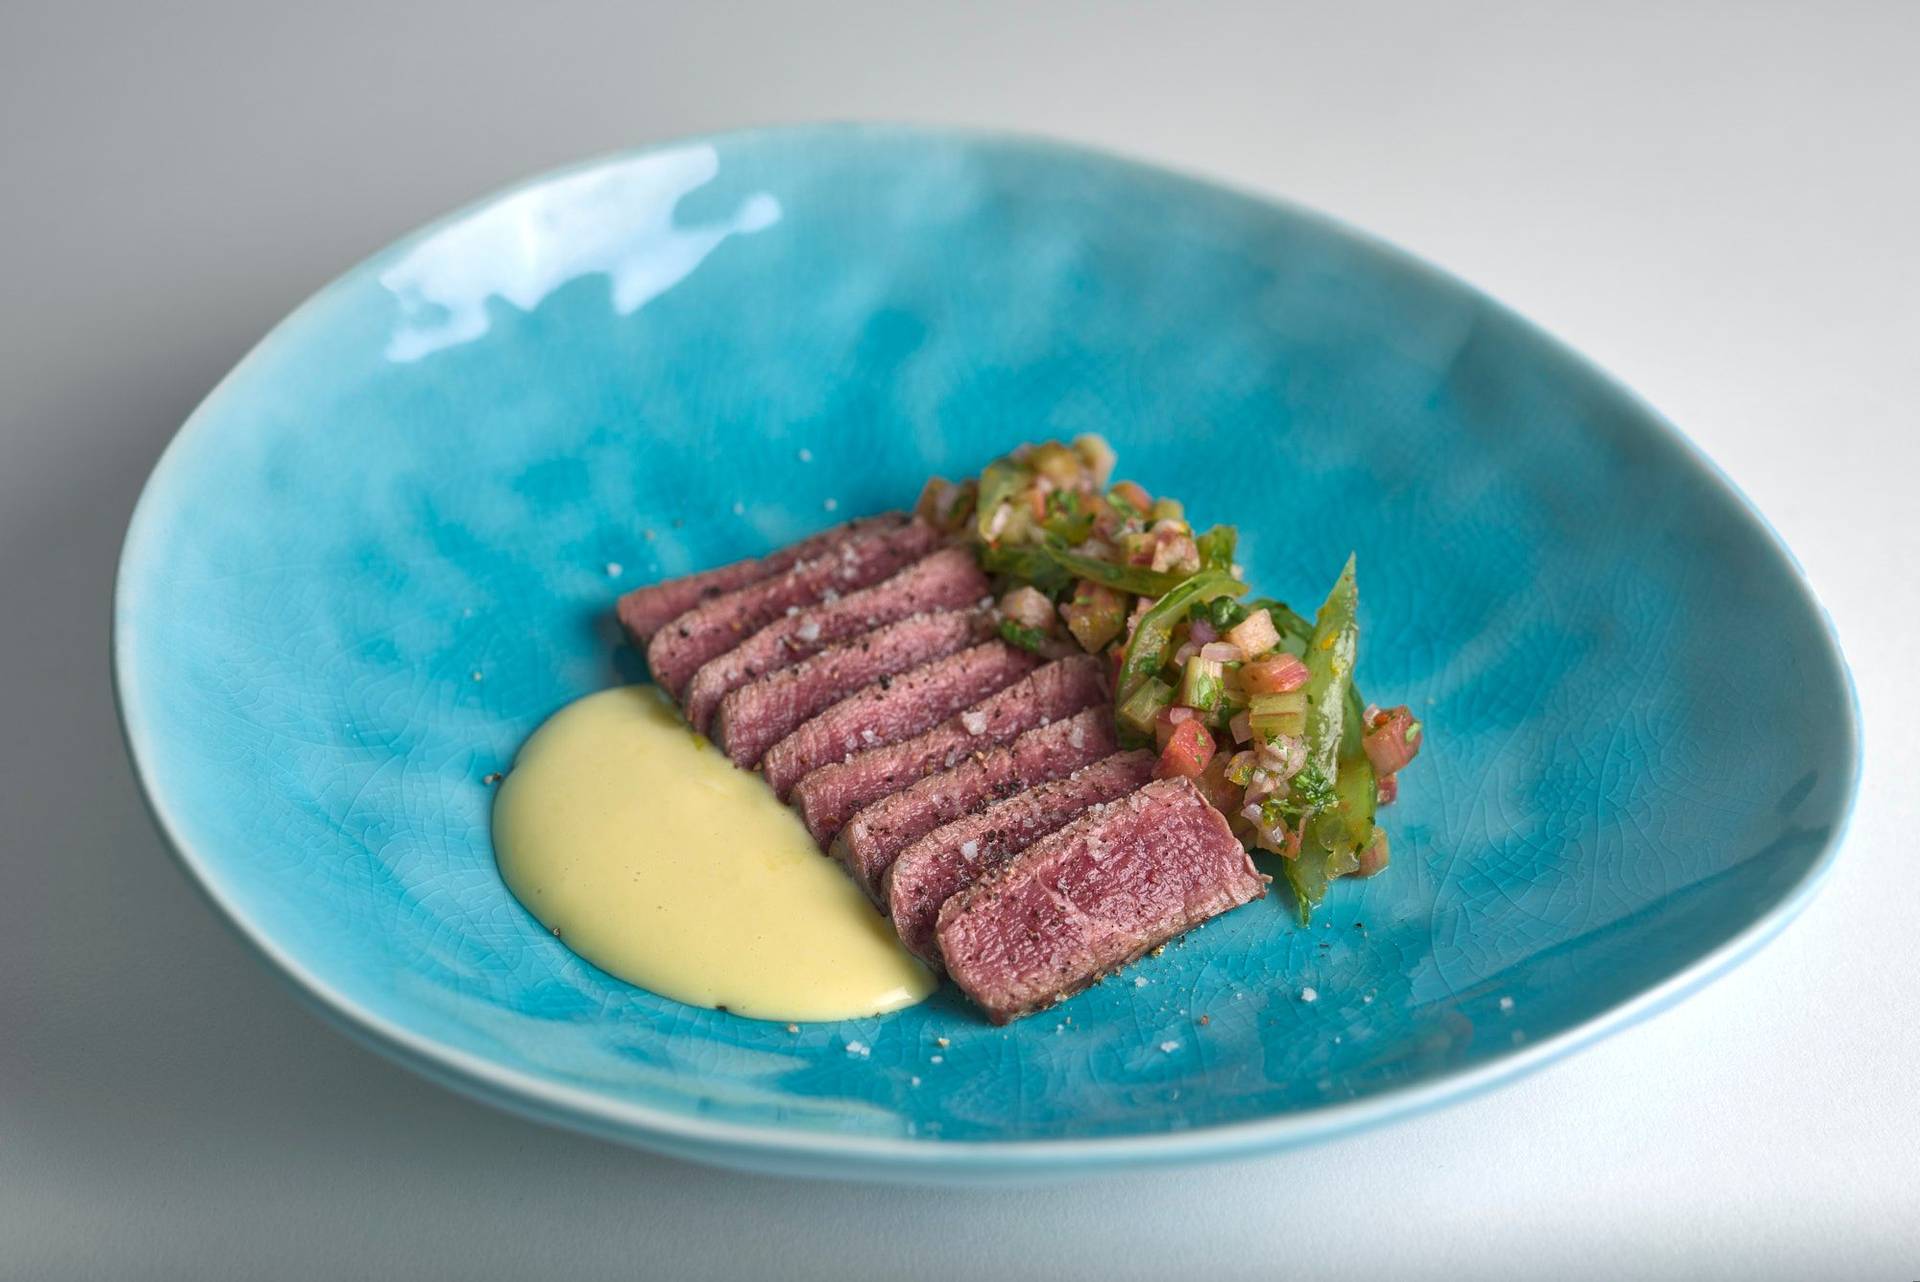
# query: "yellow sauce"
649,854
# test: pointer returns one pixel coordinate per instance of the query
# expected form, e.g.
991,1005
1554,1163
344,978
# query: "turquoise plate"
386,547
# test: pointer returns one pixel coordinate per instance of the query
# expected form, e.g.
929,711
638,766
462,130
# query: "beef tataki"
1121,879
892,710
723,622
953,856
761,713
830,795
947,580
871,839
644,611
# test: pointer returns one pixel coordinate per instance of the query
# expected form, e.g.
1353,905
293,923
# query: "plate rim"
802,1151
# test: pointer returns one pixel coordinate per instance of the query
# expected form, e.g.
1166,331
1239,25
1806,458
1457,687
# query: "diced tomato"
1393,737
1166,721
1187,753
1373,856
1273,676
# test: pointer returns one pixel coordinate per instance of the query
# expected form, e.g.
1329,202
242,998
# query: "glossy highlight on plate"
370,565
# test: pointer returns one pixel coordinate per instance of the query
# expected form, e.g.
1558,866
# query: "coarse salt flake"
808,631
830,504
859,1050
1140,981
1169,1047
614,569
805,455
1309,994
975,722
969,850
1506,1003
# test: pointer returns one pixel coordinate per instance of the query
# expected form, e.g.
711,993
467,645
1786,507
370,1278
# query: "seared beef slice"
895,709
644,611
830,795
761,713
868,555
1123,878
871,839
955,855
947,580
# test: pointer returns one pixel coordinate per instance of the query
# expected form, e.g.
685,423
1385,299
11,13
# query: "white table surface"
1719,204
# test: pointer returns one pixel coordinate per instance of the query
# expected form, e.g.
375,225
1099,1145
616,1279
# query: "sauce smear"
656,859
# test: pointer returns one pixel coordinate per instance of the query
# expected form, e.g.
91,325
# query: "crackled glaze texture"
388,546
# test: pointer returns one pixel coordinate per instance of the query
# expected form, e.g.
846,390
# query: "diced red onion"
1241,726
1284,755
1220,652
1201,631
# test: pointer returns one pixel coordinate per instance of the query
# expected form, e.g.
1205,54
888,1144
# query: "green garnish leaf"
1051,566
1216,548
1146,651
1224,612
1327,847
1023,636
1065,521
1030,563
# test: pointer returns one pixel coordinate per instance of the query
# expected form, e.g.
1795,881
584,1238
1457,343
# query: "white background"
1719,204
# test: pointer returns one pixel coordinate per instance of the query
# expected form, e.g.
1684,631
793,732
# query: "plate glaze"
387,545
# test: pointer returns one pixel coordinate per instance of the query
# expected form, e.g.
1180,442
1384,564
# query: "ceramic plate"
387,546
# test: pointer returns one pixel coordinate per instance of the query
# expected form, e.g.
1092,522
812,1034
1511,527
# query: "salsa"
1252,701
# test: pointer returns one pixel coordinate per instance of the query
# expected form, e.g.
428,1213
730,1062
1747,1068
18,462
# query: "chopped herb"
1020,634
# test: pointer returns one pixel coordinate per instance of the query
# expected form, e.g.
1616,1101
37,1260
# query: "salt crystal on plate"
1309,994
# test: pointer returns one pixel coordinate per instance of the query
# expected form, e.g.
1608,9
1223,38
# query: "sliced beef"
955,855
947,580
871,839
644,611
1121,879
894,709
761,713
830,795
723,622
